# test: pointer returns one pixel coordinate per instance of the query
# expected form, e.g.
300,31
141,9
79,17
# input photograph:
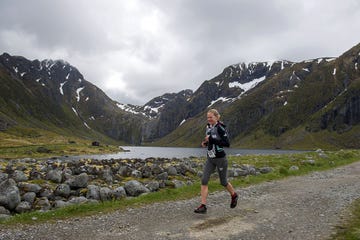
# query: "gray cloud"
136,50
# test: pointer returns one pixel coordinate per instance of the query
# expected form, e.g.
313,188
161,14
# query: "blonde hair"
215,112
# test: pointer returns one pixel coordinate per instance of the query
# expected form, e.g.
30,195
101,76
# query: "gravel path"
306,207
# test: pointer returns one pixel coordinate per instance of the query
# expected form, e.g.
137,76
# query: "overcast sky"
135,50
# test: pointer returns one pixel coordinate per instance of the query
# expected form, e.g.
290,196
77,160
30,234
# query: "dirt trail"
306,207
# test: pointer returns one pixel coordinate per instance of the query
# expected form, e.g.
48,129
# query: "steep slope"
314,103
54,95
172,110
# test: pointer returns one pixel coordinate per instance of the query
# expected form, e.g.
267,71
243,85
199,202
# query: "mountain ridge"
265,104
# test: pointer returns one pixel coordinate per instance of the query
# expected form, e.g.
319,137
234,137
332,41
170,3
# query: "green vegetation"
38,143
350,229
306,162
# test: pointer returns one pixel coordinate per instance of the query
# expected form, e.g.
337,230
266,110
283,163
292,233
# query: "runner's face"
211,118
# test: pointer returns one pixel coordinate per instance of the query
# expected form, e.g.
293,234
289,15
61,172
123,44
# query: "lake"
176,152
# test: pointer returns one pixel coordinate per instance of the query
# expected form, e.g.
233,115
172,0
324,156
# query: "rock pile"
29,184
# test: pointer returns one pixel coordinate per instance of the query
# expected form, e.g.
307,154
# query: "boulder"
62,190
156,169
54,176
42,204
19,176
23,207
29,187
171,170
107,174
93,192
105,194
3,210
124,171
78,181
134,188
249,168
78,200
136,174
3,176
162,176
29,197
153,186
294,168
35,174
178,183
265,170
240,172
61,203
9,194
119,193
146,171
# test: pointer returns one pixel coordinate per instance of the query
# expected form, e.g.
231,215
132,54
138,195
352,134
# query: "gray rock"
308,161
79,181
105,194
265,170
178,184
162,176
42,204
241,172
135,188
61,204
45,192
3,176
78,200
124,171
62,190
294,168
9,194
54,176
146,171
67,174
107,174
19,176
23,207
93,192
119,193
29,187
29,197
171,170
231,173
156,169
136,174
249,168
153,186
3,210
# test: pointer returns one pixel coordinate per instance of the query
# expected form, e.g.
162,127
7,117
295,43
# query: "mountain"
54,95
281,104
309,104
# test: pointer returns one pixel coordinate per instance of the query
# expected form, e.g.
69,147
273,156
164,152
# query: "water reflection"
176,152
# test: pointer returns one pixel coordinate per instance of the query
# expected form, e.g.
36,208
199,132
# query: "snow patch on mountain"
223,99
78,93
87,125
61,87
247,86
74,110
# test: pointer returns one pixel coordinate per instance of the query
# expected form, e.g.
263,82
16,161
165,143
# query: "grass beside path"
350,229
281,164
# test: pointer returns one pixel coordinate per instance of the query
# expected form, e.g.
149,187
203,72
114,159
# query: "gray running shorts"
211,163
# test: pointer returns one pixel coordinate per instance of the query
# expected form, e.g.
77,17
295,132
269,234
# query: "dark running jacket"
218,138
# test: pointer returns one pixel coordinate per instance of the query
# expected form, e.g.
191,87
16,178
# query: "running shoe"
201,209
234,199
